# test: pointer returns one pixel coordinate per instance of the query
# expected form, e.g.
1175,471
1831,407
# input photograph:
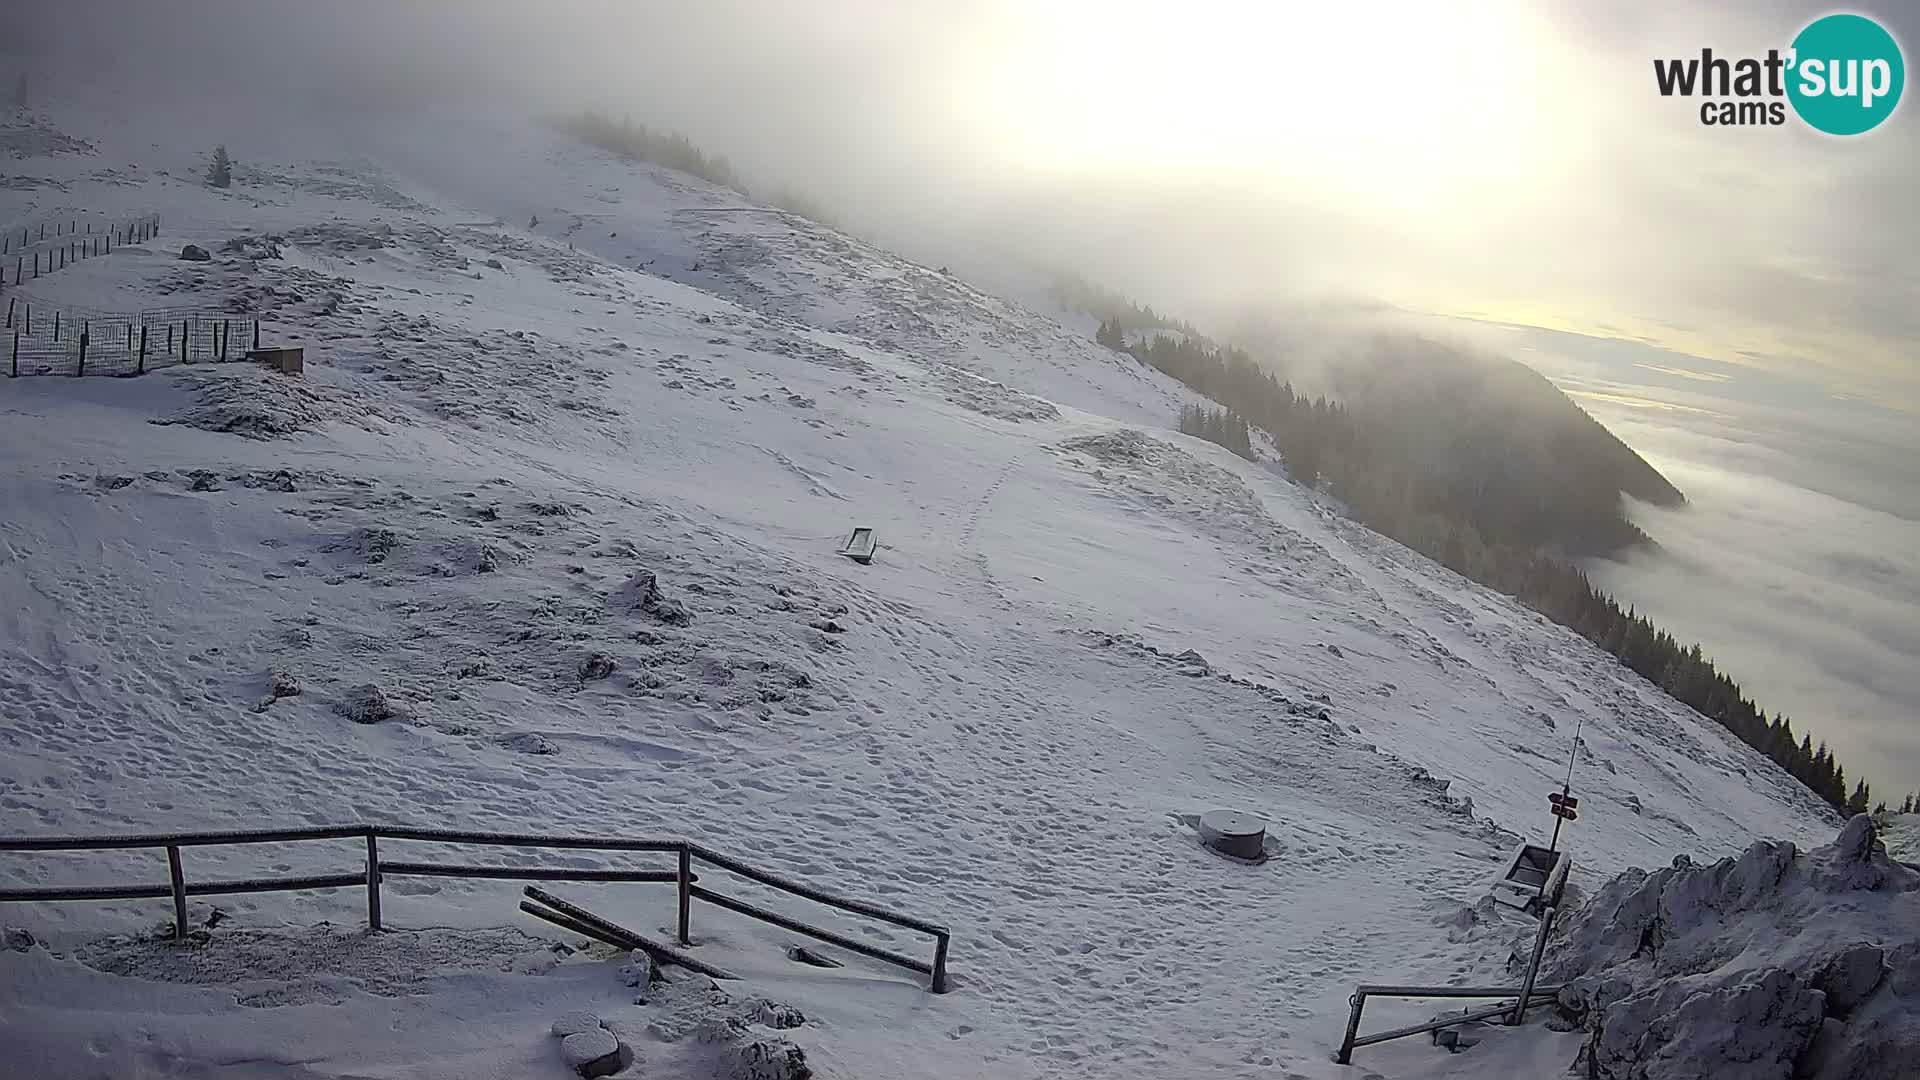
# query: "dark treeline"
636,142
1223,426
1461,526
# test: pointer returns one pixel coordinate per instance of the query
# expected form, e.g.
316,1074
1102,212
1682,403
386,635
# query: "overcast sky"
1506,159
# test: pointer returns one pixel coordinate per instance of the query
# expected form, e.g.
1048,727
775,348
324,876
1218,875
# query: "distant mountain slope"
1480,438
1532,467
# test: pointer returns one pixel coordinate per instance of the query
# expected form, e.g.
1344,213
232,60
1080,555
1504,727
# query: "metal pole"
56,326
686,894
1533,967
142,368
373,881
82,369
939,985
176,879
10,312
256,333
16,355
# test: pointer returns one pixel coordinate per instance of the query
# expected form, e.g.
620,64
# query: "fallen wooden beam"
557,919
617,935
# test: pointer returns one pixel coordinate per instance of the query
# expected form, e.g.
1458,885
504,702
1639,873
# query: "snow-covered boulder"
749,1055
1775,963
588,1047
368,704
641,592
195,253
573,1023
638,970
594,1052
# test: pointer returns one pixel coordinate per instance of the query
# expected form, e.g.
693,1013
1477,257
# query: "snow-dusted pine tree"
220,169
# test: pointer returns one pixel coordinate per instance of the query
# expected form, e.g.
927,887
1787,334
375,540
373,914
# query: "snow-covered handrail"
376,868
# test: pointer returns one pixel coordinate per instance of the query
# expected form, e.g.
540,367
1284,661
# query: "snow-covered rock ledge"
1773,964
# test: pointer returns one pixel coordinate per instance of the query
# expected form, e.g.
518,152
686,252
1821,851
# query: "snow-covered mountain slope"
994,725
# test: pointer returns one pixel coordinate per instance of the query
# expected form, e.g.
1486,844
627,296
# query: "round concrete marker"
1231,832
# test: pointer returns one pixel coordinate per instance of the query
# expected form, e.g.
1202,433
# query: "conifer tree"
220,169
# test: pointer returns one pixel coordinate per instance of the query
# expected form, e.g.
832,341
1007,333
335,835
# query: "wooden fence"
376,868
47,339
41,248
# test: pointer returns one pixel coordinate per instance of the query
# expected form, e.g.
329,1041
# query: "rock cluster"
1772,965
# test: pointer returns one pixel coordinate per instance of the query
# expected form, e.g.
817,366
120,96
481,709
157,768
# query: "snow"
454,504
1777,963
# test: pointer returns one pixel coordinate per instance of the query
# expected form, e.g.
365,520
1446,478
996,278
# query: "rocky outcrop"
642,593
1773,964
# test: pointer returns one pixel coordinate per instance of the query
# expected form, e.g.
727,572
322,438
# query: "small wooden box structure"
284,361
1532,873
860,546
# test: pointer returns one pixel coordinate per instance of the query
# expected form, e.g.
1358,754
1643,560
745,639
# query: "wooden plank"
627,938
799,927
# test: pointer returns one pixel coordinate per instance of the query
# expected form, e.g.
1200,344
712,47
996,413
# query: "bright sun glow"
1366,96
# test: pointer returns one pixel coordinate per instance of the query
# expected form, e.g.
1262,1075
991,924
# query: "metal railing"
375,869
1513,1012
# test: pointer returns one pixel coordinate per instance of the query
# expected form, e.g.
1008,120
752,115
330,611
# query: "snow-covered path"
992,726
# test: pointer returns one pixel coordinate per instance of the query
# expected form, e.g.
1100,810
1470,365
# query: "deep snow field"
993,726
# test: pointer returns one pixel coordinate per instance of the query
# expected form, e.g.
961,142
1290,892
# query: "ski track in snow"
993,730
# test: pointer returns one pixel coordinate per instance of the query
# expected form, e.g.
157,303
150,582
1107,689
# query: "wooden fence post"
9,312
686,893
142,368
256,330
939,984
82,369
56,326
226,334
16,356
373,881
179,883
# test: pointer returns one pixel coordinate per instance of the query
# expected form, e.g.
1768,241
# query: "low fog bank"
1797,562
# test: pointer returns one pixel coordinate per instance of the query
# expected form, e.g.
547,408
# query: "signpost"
1564,808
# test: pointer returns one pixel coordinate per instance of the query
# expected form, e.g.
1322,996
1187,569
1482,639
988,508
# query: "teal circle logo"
1847,74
